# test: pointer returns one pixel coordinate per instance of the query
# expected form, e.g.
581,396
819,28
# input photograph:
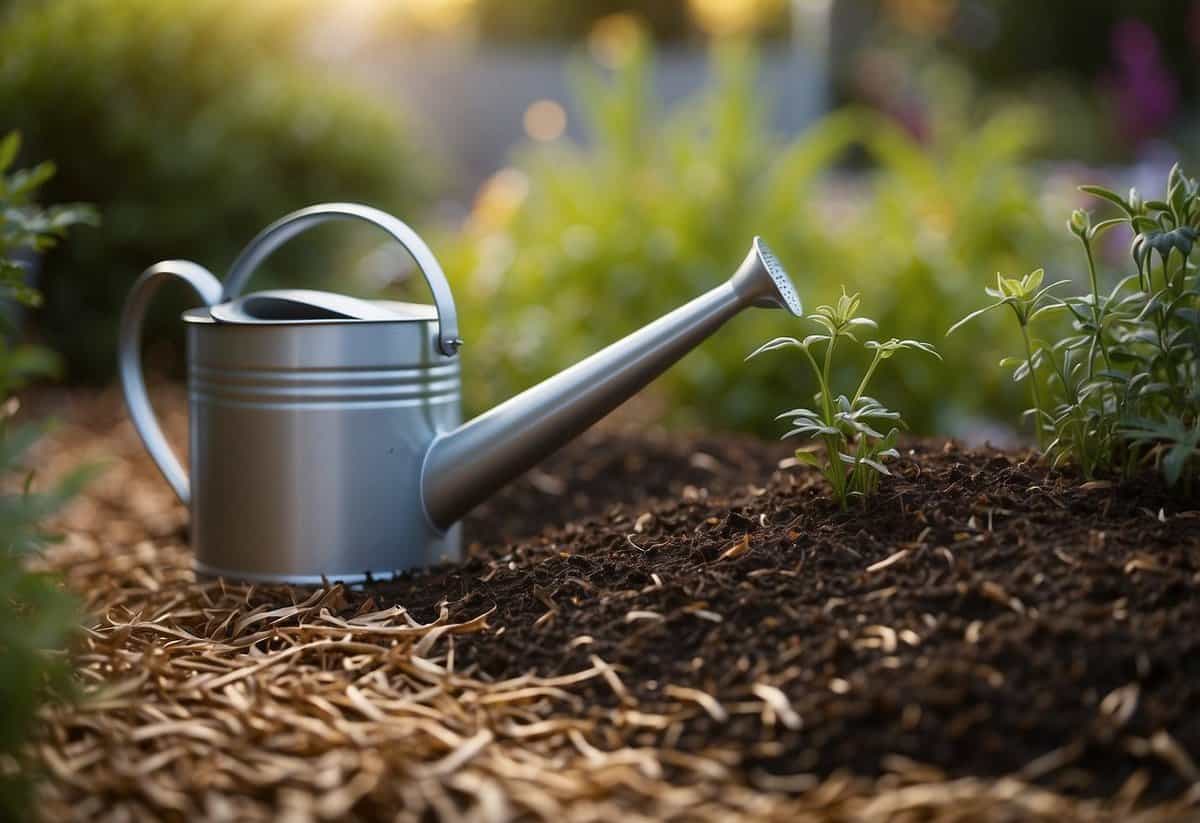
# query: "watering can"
325,434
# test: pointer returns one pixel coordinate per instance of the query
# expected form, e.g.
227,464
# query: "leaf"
876,465
772,345
972,316
1045,310
1105,225
1174,462
807,458
860,427
809,413
1110,196
813,430
1047,289
26,181
9,146
1032,281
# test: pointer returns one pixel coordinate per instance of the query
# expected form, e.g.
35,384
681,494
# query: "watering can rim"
388,312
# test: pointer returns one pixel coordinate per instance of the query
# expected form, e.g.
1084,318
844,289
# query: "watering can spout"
465,466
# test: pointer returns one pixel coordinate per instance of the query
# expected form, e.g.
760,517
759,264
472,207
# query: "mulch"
653,626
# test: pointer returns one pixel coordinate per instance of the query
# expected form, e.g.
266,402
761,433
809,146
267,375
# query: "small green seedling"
848,427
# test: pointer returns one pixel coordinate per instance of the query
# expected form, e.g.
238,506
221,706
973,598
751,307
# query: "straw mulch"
207,700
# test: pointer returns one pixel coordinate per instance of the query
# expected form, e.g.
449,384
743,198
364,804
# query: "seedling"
1125,384
847,427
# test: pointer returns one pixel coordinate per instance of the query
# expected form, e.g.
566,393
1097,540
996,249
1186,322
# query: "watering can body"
308,440
325,437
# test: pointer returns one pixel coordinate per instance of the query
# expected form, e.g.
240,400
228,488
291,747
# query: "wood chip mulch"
210,700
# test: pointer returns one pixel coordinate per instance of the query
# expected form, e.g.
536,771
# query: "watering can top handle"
284,229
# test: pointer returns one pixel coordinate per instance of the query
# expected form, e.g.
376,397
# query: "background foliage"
191,124
575,246
37,617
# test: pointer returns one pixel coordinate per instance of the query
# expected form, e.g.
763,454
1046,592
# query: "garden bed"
659,626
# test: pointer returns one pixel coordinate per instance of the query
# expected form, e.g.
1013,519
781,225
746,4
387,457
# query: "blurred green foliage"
575,246
191,124
37,618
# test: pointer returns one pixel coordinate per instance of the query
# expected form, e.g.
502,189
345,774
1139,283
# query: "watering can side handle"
287,227
129,360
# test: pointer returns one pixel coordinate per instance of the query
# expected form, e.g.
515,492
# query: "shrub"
1124,388
36,616
575,246
854,449
191,124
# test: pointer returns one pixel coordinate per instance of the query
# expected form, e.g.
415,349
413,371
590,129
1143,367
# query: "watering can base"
448,548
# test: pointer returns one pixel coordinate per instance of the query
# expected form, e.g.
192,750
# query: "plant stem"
832,442
1037,392
1087,247
835,476
862,387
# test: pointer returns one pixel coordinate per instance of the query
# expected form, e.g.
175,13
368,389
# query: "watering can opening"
310,306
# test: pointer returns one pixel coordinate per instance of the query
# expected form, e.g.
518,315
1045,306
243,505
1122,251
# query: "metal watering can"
325,434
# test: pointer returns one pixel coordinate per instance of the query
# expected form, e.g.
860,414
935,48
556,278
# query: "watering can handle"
284,229
133,382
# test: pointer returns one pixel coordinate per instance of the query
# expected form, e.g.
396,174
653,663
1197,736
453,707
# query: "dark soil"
982,615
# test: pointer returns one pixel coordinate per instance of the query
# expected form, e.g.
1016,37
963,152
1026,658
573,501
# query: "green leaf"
1032,281
9,146
1105,225
1052,307
1106,194
807,458
876,465
972,316
772,345
1175,460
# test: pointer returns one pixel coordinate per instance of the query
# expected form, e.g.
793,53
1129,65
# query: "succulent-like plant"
849,428
1125,384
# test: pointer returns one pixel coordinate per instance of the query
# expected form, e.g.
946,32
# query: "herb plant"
847,427
1123,388
36,616
1028,299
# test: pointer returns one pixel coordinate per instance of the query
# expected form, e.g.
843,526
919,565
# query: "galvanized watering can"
325,434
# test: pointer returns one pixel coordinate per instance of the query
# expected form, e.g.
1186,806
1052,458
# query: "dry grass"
211,701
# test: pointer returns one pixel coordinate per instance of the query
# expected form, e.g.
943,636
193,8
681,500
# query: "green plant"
26,229
854,449
191,124
37,617
659,206
1028,299
1124,386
